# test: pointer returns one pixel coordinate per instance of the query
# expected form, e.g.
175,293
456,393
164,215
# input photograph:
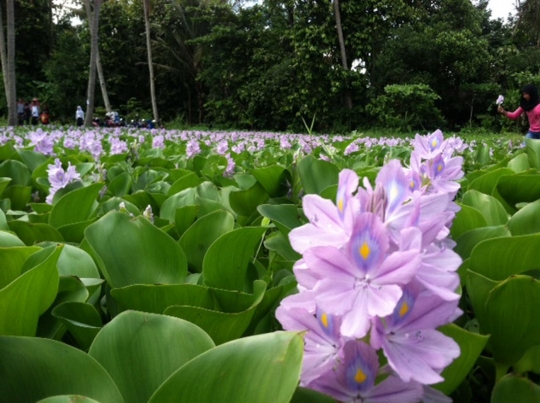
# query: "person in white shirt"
35,111
79,115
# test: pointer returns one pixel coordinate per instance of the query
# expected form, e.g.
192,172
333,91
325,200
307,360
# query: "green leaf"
12,259
68,399
28,296
226,262
530,362
500,258
317,175
76,262
520,188
533,152
262,369
33,368
304,395
285,216
81,319
467,241
487,182
273,179
245,202
512,317
133,251
157,298
19,196
32,234
17,171
32,159
120,185
69,289
190,180
198,238
7,239
184,217
471,345
513,388
519,163
141,350
221,326
466,219
491,208
478,288
4,182
526,221
76,206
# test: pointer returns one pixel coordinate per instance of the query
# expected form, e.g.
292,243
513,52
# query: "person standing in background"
20,112
530,104
35,111
79,115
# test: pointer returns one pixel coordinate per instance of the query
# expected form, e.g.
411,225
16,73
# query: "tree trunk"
348,98
150,65
102,82
94,30
3,55
12,100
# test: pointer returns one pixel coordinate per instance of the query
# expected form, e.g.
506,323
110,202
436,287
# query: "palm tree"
3,55
337,13
146,4
10,65
94,30
102,82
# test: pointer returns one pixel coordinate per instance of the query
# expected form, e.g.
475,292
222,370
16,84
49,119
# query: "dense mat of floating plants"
164,265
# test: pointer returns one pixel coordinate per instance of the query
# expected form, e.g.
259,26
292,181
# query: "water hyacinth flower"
499,100
59,179
377,266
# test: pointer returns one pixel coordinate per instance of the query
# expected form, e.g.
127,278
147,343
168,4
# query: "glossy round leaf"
33,368
467,241
491,208
28,296
133,251
81,319
64,211
226,261
526,221
221,326
198,238
500,258
316,174
514,388
262,369
512,316
467,218
470,345
141,350
68,399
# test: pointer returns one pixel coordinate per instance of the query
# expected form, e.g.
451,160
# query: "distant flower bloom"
158,142
193,148
118,146
500,100
58,178
42,142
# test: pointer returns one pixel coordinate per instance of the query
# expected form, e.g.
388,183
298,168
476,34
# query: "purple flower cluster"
58,178
378,274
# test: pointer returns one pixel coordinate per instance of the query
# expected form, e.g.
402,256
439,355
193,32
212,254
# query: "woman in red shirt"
530,103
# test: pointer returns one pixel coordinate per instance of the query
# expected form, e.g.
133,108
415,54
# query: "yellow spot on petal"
360,376
412,184
340,205
324,320
364,251
439,168
434,143
403,310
